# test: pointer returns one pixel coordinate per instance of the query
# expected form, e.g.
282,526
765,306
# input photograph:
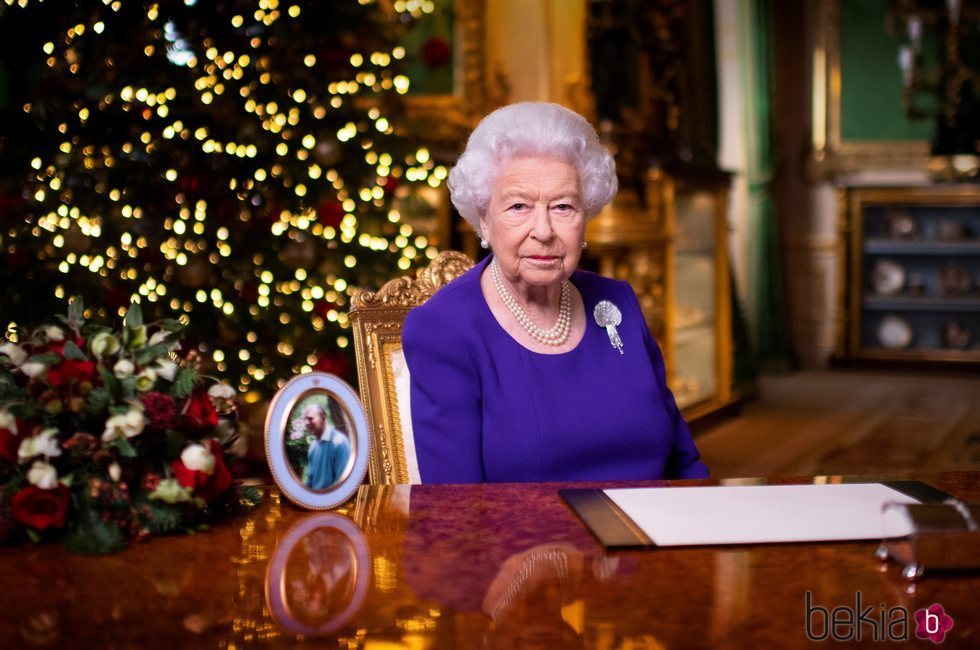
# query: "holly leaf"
47,359
9,390
24,410
128,386
173,443
171,325
92,329
146,355
112,383
76,310
73,352
126,450
134,316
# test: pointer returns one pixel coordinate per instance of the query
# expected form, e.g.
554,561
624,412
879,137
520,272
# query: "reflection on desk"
453,566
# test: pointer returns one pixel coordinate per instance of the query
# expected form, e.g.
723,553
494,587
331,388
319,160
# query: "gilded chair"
377,319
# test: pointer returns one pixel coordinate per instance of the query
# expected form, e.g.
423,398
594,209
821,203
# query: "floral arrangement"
104,436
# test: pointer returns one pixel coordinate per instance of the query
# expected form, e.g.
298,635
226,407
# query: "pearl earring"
484,244
585,245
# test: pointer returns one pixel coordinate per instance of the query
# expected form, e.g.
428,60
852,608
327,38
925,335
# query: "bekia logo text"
845,623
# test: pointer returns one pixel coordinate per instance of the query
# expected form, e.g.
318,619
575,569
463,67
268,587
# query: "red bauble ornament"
330,212
18,260
322,307
333,362
436,52
249,292
389,184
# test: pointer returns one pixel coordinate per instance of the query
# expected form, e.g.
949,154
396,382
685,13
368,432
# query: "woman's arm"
684,460
446,399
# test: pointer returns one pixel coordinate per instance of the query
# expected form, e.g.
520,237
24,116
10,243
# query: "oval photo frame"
348,571
316,440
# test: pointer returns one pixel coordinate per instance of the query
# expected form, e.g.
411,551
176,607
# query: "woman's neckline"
482,266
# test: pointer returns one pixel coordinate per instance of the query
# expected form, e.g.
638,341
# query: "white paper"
757,513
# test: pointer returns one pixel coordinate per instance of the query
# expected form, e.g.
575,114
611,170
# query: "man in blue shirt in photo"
329,451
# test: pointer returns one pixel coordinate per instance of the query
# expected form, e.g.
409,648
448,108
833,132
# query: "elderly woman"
515,375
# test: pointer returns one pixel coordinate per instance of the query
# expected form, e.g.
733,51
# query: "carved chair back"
377,319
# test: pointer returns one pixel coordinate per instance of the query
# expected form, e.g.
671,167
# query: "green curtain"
765,272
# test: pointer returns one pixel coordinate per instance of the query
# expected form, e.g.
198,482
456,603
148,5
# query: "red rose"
8,445
40,509
199,414
207,486
70,370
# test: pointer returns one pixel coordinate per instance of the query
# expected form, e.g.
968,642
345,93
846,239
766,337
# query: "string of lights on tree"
233,162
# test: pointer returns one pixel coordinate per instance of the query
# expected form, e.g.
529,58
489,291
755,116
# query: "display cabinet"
671,244
911,276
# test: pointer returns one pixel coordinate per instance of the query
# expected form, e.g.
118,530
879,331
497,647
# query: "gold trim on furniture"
376,321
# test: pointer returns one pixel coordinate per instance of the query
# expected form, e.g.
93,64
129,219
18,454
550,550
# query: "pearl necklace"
555,559
555,336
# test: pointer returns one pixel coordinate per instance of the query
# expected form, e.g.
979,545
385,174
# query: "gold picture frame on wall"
446,118
833,151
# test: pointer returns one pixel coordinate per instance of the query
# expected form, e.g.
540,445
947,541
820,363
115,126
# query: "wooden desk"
456,567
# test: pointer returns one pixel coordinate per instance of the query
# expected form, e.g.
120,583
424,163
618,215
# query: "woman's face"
535,223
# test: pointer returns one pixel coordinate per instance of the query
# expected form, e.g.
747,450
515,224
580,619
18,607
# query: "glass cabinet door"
693,320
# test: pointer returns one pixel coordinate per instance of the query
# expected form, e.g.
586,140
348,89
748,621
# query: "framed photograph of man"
316,439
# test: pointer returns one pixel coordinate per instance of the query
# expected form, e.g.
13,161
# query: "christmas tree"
234,163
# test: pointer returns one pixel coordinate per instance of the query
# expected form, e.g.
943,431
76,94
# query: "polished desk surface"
457,567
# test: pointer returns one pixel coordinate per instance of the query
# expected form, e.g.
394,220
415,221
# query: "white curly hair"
530,129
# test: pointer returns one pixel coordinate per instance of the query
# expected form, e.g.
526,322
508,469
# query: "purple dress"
485,408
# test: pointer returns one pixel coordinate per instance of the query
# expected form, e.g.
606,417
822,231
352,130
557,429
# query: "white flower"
197,457
14,351
115,472
43,475
171,491
160,337
8,421
123,368
167,369
103,344
129,424
43,444
54,333
145,380
33,369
